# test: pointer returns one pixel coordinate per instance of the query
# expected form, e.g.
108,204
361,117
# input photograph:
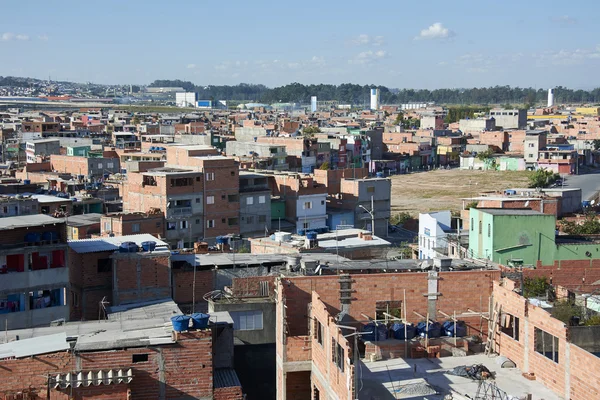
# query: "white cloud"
567,56
43,38
8,36
565,19
191,66
368,57
435,31
364,39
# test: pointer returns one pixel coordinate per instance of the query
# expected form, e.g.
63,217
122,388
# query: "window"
546,344
135,228
138,358
509,325
318,331
337,354
106,226
197,179
210,176
305,225
110,165
489,230
530,155
261,199
183,224
322,202
307,205
250,219
232,173
371,189
197,200
100,166
178,182
210,223
262,218
232,221
250,201
104,265
210,199
233,198
247,320
480,227
197,222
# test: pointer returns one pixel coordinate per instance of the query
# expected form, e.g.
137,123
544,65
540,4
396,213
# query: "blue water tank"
148,246
222,239
180,323
377,331
398,331
33,237
26,181
510,192
311,235
435,329
106,176
200,320
379,174
50,236
586,203
128,247
461,328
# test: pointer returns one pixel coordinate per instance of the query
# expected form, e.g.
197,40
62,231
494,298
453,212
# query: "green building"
78,151
523,236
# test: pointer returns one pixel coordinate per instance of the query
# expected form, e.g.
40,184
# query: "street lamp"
371,213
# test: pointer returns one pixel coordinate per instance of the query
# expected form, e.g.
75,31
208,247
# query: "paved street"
589,183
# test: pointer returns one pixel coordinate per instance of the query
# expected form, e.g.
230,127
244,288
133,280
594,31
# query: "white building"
41,147
550,97
313,104
186,99
310,211
374,99
433,230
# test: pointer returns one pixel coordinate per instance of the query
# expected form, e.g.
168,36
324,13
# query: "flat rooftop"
25,221
509,211
388,379
102,244
83,219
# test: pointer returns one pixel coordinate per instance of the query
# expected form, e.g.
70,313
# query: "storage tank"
200,320
128,247
222,240
180,323
379,174
50,236
26,181
33,237
378,332
449,326
398,331
435,329
148,246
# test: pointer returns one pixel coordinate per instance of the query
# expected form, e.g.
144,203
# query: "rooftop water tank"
148,246
50,236
311,235
398,331
33,237
26,181
435,329
379,174
128,247
200,320
449,326
222,239
180,323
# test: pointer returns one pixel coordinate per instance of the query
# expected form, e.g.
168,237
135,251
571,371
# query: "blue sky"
418,44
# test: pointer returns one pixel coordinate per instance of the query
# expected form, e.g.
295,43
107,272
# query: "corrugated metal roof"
225,377
30,347
27,220
111,243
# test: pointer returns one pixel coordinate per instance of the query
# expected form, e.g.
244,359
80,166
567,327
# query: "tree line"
348,93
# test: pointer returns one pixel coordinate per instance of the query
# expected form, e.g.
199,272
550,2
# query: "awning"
102,377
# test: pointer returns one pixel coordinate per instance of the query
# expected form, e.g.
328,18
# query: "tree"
565,310
542,178
310,130
596,144
590,226
324,166
399,119
401,218
534,287
135,120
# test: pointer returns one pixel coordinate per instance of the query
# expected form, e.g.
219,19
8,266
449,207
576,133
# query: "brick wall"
228,393
89,285
186,368
141,277
183,285
574,376
250,286
576,275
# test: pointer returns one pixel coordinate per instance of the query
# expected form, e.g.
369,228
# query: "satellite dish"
527,203
593,202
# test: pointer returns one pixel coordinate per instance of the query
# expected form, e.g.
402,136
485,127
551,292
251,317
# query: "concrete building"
534,142
509,119
477,125
258,152
41,148
186,99
433,232
432,121
13,206
89,166
255,204
559,161
34,269
374,99
178,194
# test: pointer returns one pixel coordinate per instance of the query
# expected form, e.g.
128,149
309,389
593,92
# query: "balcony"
179,212
32,280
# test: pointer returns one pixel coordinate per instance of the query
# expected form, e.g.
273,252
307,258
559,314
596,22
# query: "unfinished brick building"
306,359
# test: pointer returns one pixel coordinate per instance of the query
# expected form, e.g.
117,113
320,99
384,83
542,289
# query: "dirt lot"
444,189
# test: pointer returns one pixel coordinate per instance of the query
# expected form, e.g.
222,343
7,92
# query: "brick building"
98,273
134,354
304,364
121,224
86,166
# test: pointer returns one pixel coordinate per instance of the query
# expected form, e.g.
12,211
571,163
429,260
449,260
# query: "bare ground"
444,189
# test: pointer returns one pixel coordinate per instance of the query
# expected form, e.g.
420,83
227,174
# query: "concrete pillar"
567,370
526,344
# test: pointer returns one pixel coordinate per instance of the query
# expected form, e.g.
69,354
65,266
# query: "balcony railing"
179,211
